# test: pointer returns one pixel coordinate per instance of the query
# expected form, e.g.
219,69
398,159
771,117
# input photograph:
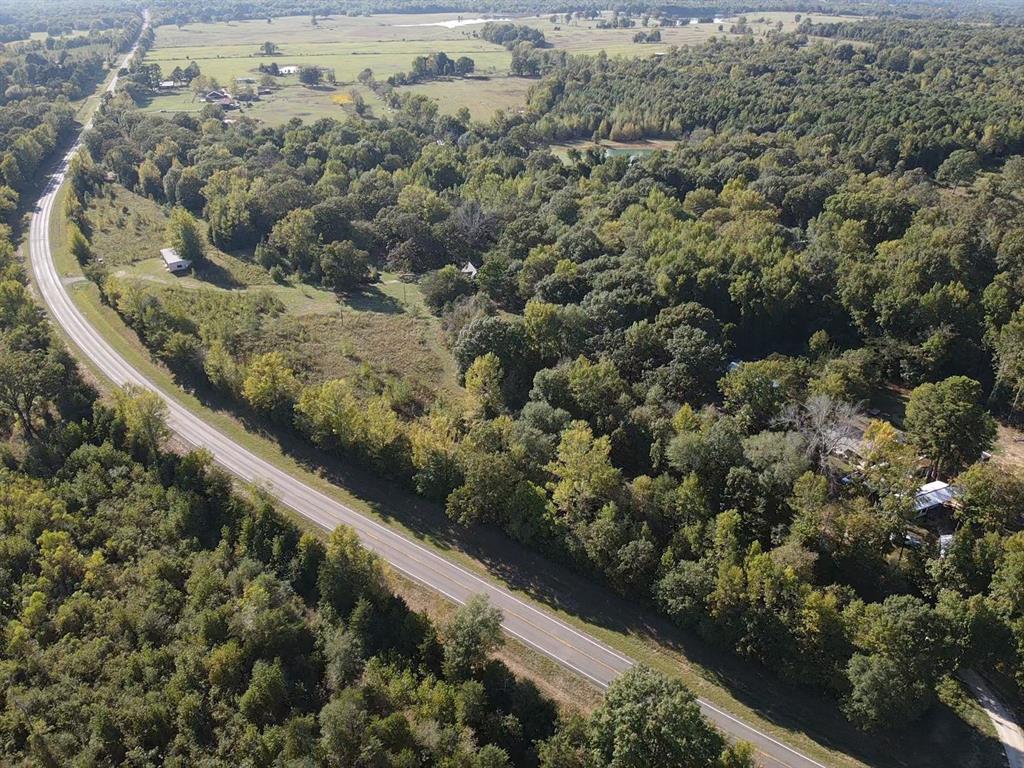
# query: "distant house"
218,97
175,264
289,69
470,270
166,85
935,495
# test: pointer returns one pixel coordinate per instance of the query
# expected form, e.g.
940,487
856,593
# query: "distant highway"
523,620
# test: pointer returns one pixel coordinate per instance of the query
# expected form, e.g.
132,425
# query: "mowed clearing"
381,333
481,96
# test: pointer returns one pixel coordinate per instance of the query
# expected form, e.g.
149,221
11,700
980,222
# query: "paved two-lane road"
532,625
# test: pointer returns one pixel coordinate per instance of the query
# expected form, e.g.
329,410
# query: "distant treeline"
37,81
171,11
916,94
19,19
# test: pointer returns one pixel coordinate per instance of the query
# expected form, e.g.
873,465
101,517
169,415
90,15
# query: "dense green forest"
913,96
150,616
39,81
18,20
666,354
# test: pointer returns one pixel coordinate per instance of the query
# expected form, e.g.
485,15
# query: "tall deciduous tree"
344,267
183,232
947,422
483,382
650,720
310,75
472,635
29,382
270,385
1009,350
144,415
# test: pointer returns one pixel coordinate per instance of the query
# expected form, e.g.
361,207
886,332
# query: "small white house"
175,264
470,270
289,69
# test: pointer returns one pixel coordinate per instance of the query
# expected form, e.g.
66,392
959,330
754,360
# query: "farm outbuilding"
935,495
175,264
221,96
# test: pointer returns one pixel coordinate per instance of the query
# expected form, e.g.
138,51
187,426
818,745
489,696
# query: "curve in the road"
536,628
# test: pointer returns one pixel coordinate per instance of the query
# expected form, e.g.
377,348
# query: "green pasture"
481,96
287,102
347,59
387,44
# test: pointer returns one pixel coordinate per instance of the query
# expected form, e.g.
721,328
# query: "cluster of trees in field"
433,66
37,81
520,39
510,35
604,423
149,615
910,98
654,36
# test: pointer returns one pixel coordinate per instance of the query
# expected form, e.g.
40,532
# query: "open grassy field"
584,37
383,331
293,100
384,44
481,96
387,44
46,35
346,58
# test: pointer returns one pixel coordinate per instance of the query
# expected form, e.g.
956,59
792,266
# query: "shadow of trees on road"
556,584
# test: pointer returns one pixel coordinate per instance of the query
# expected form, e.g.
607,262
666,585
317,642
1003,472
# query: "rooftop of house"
935,494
